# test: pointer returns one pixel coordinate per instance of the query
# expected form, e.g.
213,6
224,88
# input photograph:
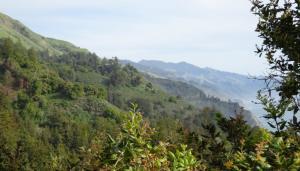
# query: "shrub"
72,91
134,149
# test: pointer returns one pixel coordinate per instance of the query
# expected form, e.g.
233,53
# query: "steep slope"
198,98
58,107
70,62
221,84
165,76
55,101
224,85
13,29
53,106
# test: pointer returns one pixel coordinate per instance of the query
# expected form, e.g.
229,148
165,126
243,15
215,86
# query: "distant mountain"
224,85
64,53
198,98
15,30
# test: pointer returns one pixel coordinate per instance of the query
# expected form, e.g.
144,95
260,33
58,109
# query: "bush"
145,105
134,149
272,154
72,91
96,91
172,99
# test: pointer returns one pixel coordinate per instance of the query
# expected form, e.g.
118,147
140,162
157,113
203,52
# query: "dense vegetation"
75,111
52,106
200,99
222,84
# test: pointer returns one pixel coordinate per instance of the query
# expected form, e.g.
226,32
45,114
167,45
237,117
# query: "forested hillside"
198,98
58,104
64,108
78,65
225,88
220,84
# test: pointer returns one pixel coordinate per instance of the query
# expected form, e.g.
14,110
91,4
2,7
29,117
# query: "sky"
208,33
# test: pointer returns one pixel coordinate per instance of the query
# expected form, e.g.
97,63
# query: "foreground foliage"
68,112
50,121
134,149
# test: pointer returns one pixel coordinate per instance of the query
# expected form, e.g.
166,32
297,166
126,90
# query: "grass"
13,29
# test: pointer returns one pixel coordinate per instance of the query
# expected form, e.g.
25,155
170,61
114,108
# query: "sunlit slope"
15,30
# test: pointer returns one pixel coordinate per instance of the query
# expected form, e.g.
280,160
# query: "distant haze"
208,33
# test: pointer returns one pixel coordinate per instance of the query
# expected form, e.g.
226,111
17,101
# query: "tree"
72,91
149,86
279,28
8,132
134,149
145,105
136,81
118,77
7,48
236,129
7,78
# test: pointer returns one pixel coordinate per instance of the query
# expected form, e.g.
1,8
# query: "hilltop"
16,31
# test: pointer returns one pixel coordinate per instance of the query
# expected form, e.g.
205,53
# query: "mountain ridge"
227,86
186,65
18,32
64,50
202,78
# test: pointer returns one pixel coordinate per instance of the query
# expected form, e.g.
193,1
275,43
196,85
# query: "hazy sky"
208,33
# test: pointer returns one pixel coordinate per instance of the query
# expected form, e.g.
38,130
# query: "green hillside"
20,34
201,100
52,105
16,31
64,108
